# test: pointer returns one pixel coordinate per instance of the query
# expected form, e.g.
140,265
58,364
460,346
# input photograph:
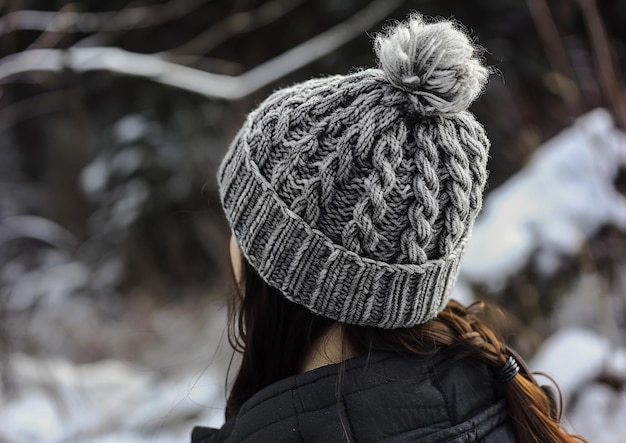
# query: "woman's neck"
329,349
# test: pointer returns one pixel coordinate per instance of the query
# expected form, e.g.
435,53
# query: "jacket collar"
368,398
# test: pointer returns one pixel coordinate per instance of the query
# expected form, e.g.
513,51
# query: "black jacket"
383,398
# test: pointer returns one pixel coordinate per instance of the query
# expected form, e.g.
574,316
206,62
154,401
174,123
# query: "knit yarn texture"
354,195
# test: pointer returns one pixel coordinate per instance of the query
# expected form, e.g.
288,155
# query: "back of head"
351,198
354,195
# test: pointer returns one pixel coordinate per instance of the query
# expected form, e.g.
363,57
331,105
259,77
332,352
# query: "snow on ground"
177,380
576,358
599,415
107,401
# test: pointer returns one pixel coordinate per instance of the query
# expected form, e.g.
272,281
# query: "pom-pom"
436,63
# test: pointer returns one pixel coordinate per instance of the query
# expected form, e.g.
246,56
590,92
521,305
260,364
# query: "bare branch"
51,36
609,76
31,226
88,22
556,53
237,24
204,83
37,106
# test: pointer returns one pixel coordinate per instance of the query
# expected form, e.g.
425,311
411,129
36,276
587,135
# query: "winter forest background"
114,272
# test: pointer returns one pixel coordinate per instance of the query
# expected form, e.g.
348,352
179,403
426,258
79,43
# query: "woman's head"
351,199
355,195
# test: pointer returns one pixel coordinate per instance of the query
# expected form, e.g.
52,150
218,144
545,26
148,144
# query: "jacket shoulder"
381,398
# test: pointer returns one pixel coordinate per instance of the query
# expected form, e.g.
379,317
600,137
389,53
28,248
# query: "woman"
351,199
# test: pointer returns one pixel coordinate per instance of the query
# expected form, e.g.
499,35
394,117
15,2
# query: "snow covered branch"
226,87
87,22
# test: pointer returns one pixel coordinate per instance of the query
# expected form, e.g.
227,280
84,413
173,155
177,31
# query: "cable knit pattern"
355,195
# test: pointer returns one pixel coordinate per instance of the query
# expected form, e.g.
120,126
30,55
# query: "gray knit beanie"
354,195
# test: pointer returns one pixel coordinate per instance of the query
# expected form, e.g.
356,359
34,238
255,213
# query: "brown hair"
275,336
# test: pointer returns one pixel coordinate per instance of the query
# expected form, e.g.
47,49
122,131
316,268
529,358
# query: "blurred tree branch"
41,104
557,55
208,84
39,228
236,24
68,21
608,71
49,37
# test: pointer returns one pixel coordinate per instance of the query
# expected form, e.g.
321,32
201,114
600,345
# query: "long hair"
275,336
